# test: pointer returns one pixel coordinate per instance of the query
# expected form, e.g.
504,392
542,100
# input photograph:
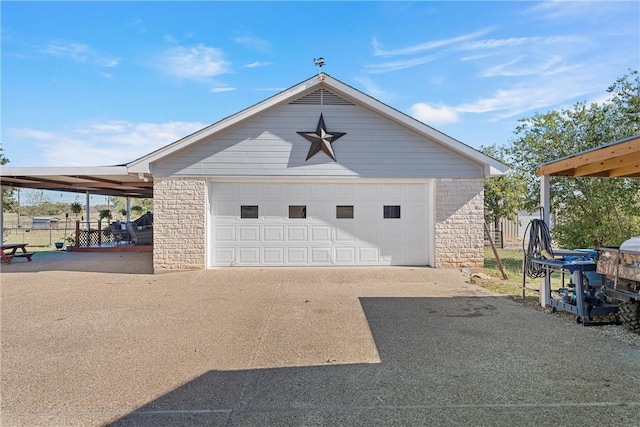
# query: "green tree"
138,206
504,194
9,202
588,211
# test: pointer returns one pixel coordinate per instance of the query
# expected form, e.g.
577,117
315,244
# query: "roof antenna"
319,62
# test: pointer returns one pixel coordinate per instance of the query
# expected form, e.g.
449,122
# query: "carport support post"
87,209
545,202
128,208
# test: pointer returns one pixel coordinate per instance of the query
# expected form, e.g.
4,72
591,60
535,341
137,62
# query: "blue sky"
103,83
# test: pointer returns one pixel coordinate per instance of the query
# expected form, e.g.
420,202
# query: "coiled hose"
539,247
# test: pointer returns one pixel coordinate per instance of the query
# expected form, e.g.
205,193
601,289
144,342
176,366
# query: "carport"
619,159
101,180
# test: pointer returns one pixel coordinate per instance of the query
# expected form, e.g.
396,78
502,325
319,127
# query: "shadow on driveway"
89,262
444,361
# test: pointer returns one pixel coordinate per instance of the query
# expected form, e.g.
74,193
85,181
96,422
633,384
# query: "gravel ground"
92,340
619,333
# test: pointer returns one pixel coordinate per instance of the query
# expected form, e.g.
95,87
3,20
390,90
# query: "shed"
45,223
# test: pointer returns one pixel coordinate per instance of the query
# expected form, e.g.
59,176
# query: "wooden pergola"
616,160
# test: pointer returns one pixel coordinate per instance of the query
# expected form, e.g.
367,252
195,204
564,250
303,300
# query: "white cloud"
544,66
371,88
196,63
257,64
169,38
222,89
387,67
79,52
519,41
554,10
410,50
434,115
254,43
100,144
497,43
535,94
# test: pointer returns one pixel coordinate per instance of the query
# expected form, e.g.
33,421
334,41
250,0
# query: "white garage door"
291,224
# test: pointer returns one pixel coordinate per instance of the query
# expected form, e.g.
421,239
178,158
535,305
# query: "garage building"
319,174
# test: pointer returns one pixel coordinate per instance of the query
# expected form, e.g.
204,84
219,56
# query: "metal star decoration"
321,140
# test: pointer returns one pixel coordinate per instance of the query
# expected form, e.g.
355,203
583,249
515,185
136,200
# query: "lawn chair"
140,237
117,233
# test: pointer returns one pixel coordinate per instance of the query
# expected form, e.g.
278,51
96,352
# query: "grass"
38,240
512,262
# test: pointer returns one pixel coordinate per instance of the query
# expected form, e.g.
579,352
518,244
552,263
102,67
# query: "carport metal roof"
103,180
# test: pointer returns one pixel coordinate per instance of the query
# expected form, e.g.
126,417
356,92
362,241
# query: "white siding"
268,145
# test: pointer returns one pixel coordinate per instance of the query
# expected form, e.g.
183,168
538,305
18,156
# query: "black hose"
539,247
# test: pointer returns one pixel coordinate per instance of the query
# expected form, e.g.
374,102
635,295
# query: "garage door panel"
225,233
224,255
345,255
249,255
321,255
320,233
343,235
249,233
321,238
297,255
274,255
297,233
274,233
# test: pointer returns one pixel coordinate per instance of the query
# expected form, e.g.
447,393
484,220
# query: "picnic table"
12,252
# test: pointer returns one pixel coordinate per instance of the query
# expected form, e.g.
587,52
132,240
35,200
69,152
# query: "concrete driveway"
95,339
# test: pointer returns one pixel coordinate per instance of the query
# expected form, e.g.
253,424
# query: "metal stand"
583,310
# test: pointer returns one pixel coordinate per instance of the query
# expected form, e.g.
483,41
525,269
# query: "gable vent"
321,97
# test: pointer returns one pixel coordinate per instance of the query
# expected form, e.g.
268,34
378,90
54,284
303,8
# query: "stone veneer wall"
179,229
459,223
